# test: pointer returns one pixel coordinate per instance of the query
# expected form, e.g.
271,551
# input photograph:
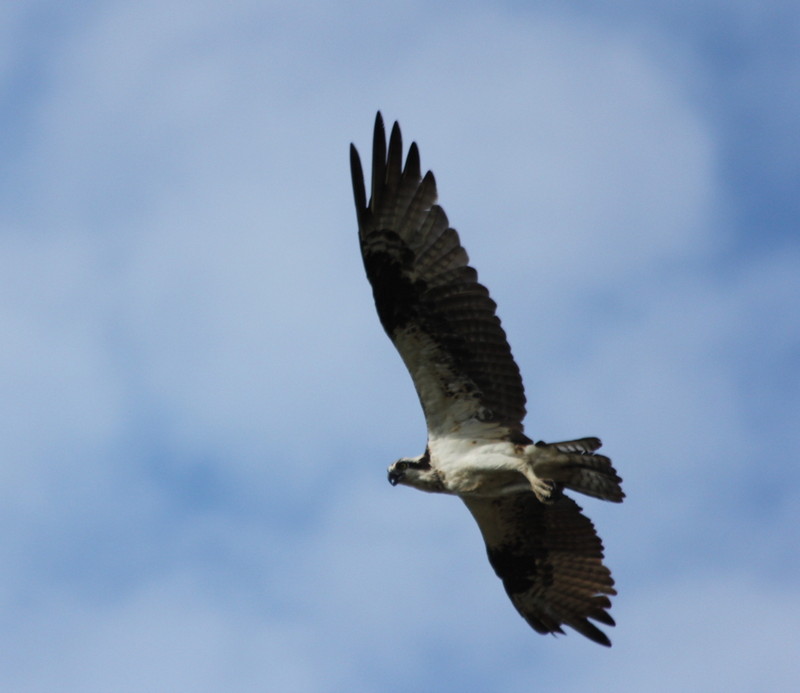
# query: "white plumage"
443,323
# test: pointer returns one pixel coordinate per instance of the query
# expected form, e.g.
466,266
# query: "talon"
543,488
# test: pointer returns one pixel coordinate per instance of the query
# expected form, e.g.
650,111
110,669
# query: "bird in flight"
443,323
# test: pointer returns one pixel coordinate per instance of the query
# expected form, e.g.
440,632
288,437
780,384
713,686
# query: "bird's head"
416,472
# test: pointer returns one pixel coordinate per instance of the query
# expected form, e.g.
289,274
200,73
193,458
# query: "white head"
416,472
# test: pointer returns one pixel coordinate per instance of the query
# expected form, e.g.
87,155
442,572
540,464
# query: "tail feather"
581,445
574,464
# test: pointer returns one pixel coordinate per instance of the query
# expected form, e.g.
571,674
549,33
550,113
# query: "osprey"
443,323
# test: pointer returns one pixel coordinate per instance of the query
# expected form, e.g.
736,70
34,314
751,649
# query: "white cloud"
169,635
64,401
184,303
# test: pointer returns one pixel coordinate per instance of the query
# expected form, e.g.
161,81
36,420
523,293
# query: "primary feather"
444,325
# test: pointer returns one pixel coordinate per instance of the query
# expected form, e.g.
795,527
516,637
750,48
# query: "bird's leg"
543,488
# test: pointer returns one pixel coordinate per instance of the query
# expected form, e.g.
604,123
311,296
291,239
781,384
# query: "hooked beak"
394,477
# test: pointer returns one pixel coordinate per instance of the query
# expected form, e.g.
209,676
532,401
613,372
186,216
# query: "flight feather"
440,318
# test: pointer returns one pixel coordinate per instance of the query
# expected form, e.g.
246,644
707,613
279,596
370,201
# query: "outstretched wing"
441,320
550,560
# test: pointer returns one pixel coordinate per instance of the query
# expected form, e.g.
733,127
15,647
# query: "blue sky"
200,404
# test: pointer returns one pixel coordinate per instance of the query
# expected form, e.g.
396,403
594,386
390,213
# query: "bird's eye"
401,466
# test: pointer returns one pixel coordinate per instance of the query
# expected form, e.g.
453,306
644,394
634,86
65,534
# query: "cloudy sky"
199,403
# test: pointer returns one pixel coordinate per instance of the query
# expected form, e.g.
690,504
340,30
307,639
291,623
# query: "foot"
543,489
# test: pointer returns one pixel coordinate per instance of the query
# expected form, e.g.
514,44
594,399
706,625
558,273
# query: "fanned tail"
574,464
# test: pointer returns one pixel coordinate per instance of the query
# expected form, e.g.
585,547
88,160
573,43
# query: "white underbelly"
478,467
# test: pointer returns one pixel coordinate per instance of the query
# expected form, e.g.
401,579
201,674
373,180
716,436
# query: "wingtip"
412,167
590,631
586,628
380,128
357,178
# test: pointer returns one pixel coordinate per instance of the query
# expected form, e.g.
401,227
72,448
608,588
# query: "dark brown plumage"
550,560
421,279
443,323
